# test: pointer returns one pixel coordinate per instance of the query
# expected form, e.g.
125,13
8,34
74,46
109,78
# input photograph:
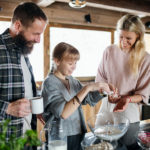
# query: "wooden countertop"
144,122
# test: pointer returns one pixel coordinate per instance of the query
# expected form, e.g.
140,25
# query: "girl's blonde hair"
133,23
65,51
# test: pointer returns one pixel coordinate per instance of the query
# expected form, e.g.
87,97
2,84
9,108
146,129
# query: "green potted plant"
29,139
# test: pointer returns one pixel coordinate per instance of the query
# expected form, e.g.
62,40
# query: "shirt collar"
8,41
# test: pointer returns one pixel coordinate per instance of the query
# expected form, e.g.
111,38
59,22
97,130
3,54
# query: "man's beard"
25,46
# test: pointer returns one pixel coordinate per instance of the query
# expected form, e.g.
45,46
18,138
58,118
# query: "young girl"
63,95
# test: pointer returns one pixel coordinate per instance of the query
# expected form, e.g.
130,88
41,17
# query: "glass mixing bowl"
143,139
90,142
108,126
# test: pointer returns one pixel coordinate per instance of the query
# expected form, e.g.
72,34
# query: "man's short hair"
27,12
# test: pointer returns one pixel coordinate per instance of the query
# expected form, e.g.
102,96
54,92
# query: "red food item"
144,137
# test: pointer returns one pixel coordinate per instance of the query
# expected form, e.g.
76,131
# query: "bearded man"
17,83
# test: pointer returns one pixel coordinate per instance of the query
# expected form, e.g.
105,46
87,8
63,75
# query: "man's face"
28,36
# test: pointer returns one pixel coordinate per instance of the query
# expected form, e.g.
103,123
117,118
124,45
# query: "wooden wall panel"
90,111
62,13
46,51
87,110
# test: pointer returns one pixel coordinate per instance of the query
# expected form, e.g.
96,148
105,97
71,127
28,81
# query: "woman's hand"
114,96
122,104
113,99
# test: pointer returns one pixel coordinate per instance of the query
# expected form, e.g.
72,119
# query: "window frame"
147,33
46,42
5,19
47,49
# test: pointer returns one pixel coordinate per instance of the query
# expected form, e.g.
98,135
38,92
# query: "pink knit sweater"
114,68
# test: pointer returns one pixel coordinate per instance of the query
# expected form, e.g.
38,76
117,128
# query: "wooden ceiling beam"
7,9
43,3
138,7
62,13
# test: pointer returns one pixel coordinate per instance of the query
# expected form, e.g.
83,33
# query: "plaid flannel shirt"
11,81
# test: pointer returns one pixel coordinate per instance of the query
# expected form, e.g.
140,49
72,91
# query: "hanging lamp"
77,3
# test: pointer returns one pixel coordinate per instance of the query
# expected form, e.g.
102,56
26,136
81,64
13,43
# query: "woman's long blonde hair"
133,23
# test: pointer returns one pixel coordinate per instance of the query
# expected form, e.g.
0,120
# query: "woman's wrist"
129,99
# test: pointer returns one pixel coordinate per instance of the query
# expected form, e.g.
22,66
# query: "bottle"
45,137
57,140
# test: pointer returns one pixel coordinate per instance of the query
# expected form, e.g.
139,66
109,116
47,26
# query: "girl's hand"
122,104
113,97
99,86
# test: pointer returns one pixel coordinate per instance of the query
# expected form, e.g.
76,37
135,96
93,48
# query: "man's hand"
122,104
19,108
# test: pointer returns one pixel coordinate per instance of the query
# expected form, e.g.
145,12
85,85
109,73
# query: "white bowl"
143,139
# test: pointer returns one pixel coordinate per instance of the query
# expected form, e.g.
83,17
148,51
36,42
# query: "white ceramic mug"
37,105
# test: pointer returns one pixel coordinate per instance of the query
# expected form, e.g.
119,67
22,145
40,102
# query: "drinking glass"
53,137
108,127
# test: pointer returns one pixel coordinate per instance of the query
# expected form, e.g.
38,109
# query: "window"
4,25
90,43
116,37
147,41
36,57
37,60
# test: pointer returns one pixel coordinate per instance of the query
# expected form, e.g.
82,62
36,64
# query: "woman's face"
66,67
127,39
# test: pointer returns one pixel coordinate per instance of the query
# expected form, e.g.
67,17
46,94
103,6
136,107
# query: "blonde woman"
127,67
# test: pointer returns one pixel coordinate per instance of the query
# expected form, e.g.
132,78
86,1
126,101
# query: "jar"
53,137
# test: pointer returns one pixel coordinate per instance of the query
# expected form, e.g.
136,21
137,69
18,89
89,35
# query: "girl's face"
127,39
66,67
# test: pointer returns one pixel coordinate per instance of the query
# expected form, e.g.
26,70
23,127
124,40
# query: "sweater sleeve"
92,98
3,107
54,101
143,83
101,71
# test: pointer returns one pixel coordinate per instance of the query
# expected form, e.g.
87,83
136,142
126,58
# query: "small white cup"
37,105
